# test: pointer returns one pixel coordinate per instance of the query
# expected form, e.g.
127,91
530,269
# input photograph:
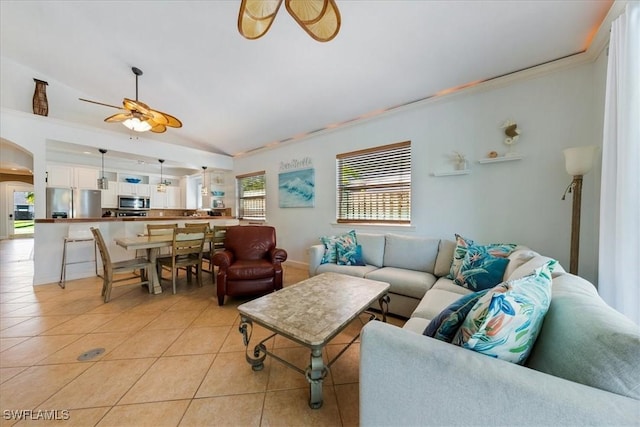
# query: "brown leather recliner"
250,263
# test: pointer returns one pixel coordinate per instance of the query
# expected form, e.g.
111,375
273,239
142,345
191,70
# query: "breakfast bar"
50,234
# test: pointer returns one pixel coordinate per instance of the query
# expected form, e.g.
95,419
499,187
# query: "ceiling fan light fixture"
137,125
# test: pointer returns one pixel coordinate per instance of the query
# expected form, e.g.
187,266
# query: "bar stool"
77,234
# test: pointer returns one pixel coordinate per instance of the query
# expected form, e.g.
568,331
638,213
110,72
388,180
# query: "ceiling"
235,95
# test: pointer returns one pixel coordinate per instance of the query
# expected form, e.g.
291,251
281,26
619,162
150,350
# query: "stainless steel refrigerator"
73,203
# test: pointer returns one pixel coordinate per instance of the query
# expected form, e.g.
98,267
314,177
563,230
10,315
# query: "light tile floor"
169,359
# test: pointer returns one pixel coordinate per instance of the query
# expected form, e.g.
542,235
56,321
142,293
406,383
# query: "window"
252,193
374,185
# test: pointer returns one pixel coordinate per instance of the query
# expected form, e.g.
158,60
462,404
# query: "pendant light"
204,190
162,187
103,183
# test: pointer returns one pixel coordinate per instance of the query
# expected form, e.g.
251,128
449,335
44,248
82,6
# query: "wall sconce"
578,162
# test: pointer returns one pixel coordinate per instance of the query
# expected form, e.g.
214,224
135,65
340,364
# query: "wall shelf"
500,159
452,173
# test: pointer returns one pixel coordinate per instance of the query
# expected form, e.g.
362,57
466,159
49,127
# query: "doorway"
23,214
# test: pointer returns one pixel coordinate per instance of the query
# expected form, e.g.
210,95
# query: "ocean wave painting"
296,189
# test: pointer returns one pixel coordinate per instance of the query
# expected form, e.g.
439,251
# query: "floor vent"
88,355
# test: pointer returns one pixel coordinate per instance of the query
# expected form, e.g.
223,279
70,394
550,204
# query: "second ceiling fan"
139,116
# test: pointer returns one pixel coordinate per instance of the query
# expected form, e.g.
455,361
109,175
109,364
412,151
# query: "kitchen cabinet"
72,177
171,199
110,196
130,189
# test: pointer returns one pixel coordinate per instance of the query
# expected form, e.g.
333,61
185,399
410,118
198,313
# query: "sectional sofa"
584,368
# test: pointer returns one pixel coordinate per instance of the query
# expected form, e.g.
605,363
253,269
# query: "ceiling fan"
138,116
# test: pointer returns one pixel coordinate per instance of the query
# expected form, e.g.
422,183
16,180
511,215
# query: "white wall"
517,201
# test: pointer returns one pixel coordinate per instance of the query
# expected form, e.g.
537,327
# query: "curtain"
619,251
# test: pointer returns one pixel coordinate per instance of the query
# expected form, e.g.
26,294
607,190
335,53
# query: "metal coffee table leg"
315,375
259,351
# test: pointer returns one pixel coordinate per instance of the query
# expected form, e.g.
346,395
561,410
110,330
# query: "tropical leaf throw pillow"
349,254
505,322
462,244
480,270
329,242
445,325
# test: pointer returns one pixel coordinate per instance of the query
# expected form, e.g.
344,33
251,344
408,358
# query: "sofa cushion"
462,244
480,270
516,258
445,325
444,258
586,341
411,253
404,282
349,270
372,248
416,324
506,321
434,301
329,242
536,262
450,286
349,255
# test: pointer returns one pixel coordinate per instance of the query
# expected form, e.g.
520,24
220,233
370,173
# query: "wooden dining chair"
217,242
186,251
161,230
207,248
110,267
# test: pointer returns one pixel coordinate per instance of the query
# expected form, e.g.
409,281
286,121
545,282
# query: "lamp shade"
579,160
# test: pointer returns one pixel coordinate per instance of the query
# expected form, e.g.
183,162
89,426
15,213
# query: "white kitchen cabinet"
110,196
171,199
59,176
130,189
67,176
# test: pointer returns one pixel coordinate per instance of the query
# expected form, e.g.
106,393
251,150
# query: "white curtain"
619,252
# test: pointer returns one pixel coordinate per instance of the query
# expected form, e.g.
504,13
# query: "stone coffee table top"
313,311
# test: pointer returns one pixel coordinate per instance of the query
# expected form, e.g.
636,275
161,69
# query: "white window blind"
252,192
374,185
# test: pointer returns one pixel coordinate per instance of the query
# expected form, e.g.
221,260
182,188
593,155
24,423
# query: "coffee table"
311,313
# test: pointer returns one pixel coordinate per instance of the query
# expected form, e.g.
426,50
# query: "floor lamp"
578,162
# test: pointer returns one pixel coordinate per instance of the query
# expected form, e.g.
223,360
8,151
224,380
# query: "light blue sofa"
584,368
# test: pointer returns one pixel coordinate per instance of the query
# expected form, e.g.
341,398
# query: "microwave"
134,203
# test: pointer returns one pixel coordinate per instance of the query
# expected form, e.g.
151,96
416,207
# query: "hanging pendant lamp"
204,190
103,183
162,187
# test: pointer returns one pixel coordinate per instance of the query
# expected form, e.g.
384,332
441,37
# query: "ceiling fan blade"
139,106
255,17
307,11
100,103
167,119
159,128
120,117
323,29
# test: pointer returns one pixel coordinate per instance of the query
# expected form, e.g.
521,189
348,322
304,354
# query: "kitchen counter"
50,233
130,218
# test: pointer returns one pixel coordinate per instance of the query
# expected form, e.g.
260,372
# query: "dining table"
152,244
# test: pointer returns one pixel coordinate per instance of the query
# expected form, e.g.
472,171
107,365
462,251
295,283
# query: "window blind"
252,196
374,185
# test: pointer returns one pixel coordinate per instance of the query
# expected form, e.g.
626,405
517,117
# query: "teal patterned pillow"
445,325
350,255
480,270
505,322
330,253
462,244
